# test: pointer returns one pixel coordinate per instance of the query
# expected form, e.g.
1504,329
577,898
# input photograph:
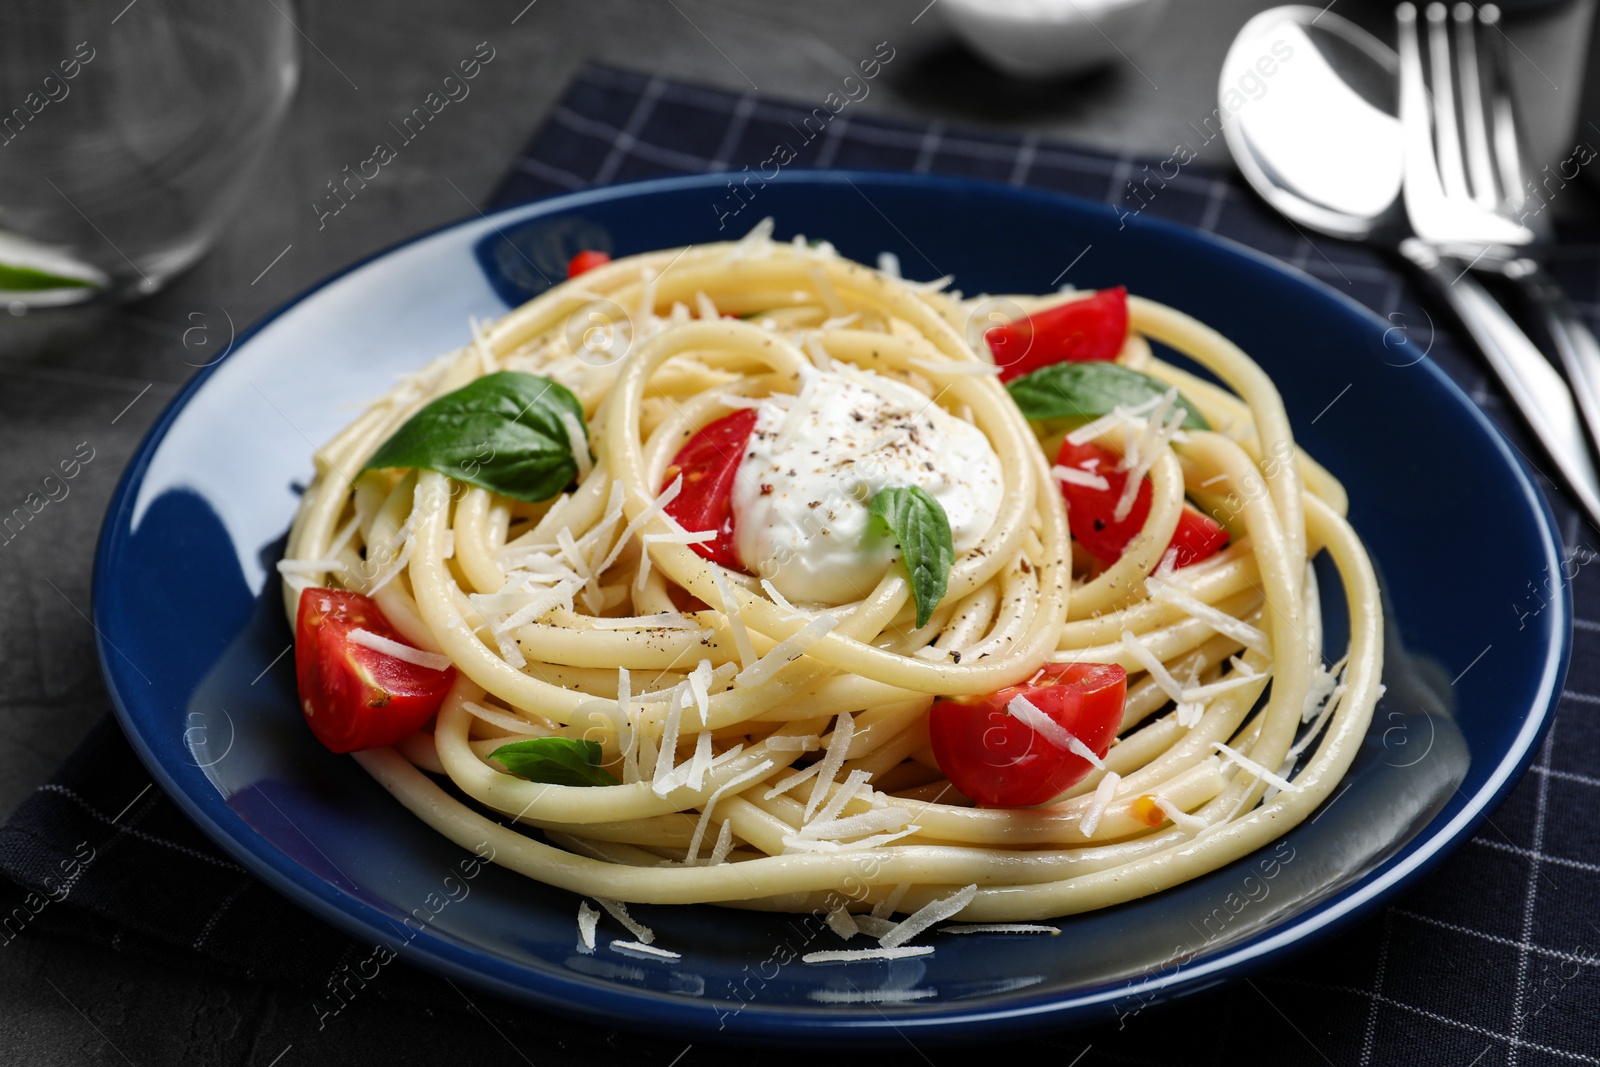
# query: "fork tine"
1447,135
1422,191
1474,121
1506,146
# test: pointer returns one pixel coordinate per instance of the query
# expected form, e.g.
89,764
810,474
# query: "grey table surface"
103,375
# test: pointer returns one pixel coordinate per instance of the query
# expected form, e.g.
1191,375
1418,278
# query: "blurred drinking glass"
126,136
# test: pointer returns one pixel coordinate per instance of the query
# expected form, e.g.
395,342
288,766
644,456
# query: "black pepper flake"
814,504
1099,524
955,654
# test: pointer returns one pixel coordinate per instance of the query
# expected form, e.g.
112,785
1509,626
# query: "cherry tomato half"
1000,761
1090,511
356,697
709,464
1092,328
585,261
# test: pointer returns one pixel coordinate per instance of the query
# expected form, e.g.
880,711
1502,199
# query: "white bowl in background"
1050,38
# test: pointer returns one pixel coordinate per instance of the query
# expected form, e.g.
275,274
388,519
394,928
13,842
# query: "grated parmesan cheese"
885,907
1220,621
538,607
1141,654
708,311
873,926
700,761
588,919
842,922
786,651
634,948
1180,818
669,743
935,911
1104,792
346,534
866,822
378,643
792,780
724,845
397,565
310,566
578,441
1255,769
845,955
1235,681
830,296
725,788
836,803
1043,725
1158,434
1052,731
735,616
829,765
505,721
793,743
792,843
1075,476
675,538
665,620
628,742
666,496
778,598
619,911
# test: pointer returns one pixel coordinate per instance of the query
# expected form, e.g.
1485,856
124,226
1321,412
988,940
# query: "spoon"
1311,105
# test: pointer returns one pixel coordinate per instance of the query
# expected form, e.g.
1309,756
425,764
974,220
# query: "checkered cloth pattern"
1494,960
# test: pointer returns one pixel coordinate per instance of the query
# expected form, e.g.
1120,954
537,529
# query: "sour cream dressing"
800,502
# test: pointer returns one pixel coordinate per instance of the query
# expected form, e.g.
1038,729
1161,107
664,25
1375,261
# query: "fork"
1463,196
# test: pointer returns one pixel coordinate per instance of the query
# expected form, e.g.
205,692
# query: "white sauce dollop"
800,502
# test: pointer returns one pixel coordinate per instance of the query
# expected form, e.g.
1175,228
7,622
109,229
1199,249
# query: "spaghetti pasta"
771,751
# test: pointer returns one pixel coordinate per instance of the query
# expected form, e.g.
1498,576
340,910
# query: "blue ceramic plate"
193,639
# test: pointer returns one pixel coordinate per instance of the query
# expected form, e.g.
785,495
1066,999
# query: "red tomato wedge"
1093,328
1001,761
585,261
1090,511
356,697
709,463
1197,536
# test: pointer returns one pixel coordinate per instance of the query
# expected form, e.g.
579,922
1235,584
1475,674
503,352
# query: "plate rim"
610,1004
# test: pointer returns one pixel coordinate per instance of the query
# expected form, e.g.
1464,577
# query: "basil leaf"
502,432
557,760
19,279
921,527
1089,390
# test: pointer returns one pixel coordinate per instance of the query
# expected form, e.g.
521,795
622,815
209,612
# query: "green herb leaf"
922,528
502,432
18,279
557,760
1089,390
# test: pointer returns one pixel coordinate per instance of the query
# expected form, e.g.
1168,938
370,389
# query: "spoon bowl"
1312,119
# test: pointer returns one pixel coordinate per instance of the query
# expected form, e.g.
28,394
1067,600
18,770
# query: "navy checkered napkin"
1494,960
